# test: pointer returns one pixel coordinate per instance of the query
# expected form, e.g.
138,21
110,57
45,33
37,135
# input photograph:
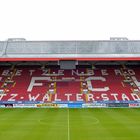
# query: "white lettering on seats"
117,72
104,72
104,96
131,72
18,72
79,97
68,96
5,72
32,83
13,96
90,97
136,81
125,97
31,72
33,98
135,96
46,97
96,89
1,96
115,95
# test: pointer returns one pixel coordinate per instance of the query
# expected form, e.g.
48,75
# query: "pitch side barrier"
96,104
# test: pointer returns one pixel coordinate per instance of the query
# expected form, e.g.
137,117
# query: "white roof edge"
21,48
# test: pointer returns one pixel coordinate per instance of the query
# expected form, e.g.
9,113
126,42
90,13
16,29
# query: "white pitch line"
68,125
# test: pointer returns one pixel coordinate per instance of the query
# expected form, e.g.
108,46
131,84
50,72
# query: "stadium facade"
75,74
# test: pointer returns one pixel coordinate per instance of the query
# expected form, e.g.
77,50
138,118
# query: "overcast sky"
69,19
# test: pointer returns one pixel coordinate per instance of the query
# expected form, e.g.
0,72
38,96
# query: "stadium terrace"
95,83
70,73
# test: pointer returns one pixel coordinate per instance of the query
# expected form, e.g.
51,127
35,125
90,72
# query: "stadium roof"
114,49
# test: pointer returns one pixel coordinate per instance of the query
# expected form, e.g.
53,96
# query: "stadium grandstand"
95,83
101,73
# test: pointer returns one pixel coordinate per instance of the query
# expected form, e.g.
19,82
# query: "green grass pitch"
70,124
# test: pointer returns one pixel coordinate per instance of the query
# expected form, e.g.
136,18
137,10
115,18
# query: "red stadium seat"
83,84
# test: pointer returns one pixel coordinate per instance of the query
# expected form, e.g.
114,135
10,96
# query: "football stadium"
70,90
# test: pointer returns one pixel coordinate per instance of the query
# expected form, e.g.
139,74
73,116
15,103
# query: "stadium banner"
21,102
75,105
2,106
134,105
62,105
94,105
24,106
6,106
47,105
52,105
113,101
118,105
